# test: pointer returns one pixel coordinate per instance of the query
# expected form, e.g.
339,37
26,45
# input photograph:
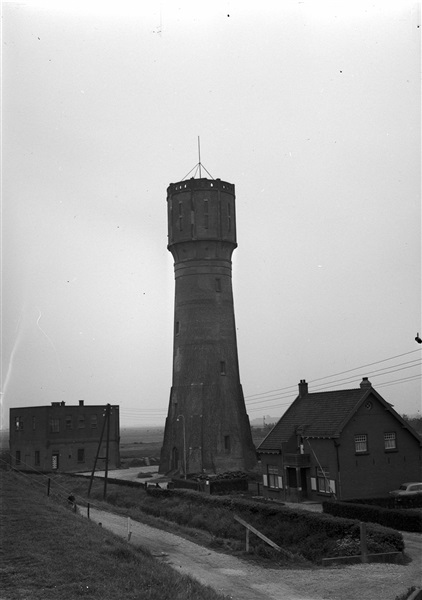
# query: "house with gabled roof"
343,444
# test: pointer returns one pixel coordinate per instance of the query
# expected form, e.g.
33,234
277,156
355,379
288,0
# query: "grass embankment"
49,552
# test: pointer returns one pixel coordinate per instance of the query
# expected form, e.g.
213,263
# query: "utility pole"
98,452
107,449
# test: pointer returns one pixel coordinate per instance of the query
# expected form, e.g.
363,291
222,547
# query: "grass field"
48,552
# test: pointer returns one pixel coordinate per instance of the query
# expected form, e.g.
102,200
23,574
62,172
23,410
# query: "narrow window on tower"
206,214
218,284
229,216
227,443
177,330
222,367
180,216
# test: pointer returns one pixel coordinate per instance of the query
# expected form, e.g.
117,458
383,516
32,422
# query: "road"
244,580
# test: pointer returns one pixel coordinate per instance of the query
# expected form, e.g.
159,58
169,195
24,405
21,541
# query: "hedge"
403,520
392,501
311,534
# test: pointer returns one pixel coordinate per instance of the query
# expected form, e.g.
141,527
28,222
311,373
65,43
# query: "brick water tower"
207,428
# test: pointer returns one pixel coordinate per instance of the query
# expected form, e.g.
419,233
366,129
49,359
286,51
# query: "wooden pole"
87,510
48,486
107,451
96,456
247,539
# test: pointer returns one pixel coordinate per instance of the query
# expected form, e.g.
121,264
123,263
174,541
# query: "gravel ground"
243,580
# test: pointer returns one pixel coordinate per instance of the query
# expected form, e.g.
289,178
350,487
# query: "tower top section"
200,184
201,210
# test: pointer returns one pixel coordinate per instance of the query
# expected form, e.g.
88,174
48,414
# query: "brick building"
345,444
63,438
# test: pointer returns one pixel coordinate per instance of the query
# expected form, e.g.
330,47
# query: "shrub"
312,535
403,520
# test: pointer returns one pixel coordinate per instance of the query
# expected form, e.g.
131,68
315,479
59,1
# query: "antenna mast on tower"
199,166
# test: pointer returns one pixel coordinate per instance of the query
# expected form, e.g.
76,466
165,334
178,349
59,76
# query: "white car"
408,489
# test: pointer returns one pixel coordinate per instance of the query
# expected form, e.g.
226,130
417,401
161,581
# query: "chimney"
303,388
62,403
81,402
365,383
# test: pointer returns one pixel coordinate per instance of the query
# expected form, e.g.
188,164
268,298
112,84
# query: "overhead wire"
333,375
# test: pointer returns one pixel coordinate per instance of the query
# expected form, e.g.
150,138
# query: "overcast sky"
312,110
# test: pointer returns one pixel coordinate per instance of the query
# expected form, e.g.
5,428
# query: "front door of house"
55,461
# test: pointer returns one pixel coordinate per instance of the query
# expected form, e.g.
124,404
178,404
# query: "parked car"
408,489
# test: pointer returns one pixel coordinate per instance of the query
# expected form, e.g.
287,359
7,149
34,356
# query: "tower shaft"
207,428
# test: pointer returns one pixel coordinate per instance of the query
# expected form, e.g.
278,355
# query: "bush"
311,535
392,501
403,520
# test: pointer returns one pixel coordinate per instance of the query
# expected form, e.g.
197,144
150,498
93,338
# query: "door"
303,483
55,461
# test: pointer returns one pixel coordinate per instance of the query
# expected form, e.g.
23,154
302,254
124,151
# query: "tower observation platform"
207,428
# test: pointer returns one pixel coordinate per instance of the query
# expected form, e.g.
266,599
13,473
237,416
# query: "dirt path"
242,580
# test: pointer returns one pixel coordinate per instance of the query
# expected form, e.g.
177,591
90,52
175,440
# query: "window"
227,443
18,457
18,424
222,367
323,481
229,217
177,328
180,216
81,422
94,422
206,214
273,479
218,284
68,422
81,455
37,458
361,443
54,425
390,441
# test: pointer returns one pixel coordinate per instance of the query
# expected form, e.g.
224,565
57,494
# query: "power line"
334,374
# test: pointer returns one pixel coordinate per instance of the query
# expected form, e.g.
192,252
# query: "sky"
312,110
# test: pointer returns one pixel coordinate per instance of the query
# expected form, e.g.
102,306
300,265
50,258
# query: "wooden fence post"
129,533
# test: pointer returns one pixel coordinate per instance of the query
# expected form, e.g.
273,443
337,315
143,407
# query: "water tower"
207,428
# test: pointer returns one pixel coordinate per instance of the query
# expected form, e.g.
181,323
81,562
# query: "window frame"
54,425
393,439
273,477
361,438
323,483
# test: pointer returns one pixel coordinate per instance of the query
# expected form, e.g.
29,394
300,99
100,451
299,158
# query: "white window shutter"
280,482
313,484
265,480
332,486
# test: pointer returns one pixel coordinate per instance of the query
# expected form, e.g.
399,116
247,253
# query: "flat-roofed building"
64,438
